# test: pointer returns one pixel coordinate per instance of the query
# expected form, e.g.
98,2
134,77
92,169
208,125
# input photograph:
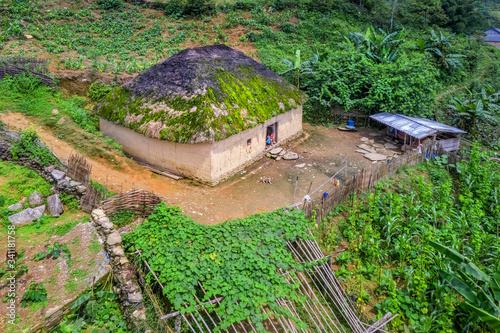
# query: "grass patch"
95,246
71,286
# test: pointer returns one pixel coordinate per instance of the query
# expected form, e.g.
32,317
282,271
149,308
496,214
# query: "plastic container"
350,123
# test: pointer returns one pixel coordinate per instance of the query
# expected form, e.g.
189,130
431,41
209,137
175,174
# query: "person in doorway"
272,138
269,141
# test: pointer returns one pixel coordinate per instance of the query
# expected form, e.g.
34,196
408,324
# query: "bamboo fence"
91,199
140,202
79,168
322,203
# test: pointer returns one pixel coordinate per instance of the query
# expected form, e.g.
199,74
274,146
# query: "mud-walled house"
204,112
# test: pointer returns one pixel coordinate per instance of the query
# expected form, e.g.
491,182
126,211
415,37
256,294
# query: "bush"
36,293
27,145
188,7
98,91
24,83
110,4
122,217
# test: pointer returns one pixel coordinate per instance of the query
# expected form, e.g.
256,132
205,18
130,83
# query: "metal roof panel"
417,127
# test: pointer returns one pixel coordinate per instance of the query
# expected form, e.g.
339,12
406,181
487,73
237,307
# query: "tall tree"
464,16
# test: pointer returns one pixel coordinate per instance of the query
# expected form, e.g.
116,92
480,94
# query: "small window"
249,142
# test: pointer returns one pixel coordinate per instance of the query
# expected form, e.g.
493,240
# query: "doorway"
272,134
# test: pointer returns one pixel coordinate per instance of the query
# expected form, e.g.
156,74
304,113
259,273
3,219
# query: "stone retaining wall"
126,285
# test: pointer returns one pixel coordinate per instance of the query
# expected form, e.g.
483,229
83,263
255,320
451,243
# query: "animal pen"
319,202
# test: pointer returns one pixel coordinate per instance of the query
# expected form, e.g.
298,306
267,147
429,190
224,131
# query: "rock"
73,183
290,156
29,37
55,206
123,261
65,181
269,155
276,151
50,168
118,251
61,121
27,216
55,111
370,142
375,157
141,314
278,158
81,189
134,297
35,199
283,152
17,206
107,224
98,213
58,175
114,238
300,165
102,219
362,151
390,146
364,139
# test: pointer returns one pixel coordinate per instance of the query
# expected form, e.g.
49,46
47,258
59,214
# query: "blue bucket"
350,123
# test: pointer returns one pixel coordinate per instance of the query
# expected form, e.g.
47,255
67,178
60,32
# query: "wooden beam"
379,323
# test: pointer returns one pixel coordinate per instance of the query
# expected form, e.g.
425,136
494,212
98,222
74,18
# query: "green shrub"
110,4
27,145
98,91
122,217
69,201
24,83
36,293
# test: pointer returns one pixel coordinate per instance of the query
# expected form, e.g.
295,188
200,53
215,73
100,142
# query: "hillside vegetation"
373,56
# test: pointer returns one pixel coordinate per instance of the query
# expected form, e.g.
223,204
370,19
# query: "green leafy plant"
28,145
53,251
36,293
481,291
243,256
380,47
98,91
122,217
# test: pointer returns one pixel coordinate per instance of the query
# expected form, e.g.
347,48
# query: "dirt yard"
321,150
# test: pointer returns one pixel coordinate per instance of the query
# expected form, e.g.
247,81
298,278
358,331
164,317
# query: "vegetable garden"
390,262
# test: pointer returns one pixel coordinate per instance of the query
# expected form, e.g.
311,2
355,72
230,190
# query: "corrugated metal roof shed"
417,127
492,35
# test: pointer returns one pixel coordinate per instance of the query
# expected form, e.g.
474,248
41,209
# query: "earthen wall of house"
495,44
205,162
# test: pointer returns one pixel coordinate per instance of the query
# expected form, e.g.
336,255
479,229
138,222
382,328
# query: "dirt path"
323,153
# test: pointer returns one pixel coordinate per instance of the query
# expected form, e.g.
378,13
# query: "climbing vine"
239,260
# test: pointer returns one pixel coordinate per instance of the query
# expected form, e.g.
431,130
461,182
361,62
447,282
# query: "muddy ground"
323,150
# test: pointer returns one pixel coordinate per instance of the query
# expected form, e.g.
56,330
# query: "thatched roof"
201,94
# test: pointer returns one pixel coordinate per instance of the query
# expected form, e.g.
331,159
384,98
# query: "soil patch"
323,150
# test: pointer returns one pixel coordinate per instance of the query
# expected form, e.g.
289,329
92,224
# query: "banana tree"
379,47
481,291
438,46
299,69
475,110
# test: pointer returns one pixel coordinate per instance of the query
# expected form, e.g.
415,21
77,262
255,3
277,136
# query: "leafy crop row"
388,234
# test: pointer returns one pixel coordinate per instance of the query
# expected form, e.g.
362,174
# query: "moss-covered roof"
201,94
